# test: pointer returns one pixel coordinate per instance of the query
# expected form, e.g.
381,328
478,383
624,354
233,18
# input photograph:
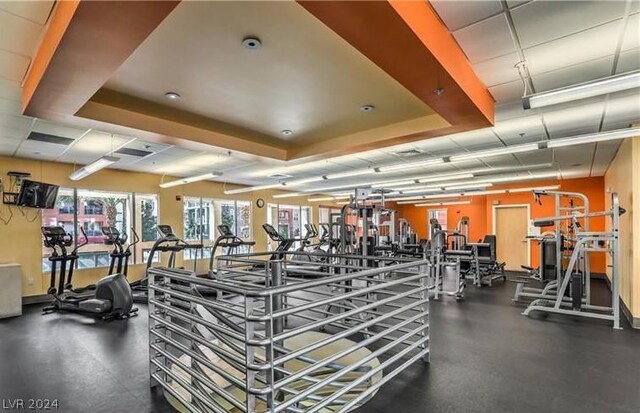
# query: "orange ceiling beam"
84,44
408,41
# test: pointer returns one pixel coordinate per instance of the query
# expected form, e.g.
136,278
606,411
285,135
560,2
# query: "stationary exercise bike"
110,298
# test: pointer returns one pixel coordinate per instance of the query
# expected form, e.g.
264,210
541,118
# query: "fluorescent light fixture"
349,174
446,177
394,184
595,137
93,167
412,199
469,186
289,195
611,84
443,203
507,150
190,179
419,164
305,180
251,189
328,198
536,188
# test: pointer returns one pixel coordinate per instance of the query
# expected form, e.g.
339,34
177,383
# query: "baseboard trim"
36,299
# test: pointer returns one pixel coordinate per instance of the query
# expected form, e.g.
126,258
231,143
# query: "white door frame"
493,229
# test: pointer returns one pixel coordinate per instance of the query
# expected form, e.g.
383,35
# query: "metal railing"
286,335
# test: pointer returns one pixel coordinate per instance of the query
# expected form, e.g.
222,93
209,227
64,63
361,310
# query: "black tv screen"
37,194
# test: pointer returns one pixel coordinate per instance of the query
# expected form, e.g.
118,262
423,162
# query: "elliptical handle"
136,239
83,243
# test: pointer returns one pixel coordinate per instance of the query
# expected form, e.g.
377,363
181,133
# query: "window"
59,216
202,216
289,221
99,209
91,210
146,222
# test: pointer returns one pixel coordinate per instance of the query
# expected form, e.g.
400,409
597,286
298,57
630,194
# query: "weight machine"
572,293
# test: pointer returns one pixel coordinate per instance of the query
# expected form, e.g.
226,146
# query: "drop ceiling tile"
503,161
57,130
35,11
436,144
571,75
632,33
515,3
629,61
458,14
487,39
12,134
605,152
10,90
510,130
33,149
536,157
148,146
543,21
15,122
585,46
578,120
10,107
93,145
625,108
474,138
506,111
507,92
18,35
575,156
12,66
498,70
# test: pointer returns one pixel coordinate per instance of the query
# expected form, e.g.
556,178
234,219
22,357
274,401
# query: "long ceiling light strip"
93,167
481,193
190,179
611,84
289,195
507,150
596,137
434,178
527,147
430,204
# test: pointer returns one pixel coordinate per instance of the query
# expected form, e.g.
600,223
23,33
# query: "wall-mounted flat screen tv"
37,194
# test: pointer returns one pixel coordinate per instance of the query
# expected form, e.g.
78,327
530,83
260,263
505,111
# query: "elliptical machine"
120,260
110,298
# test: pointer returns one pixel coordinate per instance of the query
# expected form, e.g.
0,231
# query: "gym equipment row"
275,341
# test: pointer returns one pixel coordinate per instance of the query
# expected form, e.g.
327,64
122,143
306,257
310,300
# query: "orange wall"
480,211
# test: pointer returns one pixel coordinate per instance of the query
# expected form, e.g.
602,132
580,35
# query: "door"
510,228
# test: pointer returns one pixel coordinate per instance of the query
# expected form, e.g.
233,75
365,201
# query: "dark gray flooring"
486,357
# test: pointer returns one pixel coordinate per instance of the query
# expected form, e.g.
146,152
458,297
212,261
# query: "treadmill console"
225,231
166,230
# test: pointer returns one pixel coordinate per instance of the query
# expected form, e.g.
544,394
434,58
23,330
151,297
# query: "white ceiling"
591,41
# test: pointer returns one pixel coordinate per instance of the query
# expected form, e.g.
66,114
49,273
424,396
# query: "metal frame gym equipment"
270,342
566,203
577,272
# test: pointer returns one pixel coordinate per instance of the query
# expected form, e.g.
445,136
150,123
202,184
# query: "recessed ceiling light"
251,43
172,96
367,108
287,132
438,91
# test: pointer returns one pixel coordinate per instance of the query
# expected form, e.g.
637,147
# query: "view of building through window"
289,220
202,216
91,210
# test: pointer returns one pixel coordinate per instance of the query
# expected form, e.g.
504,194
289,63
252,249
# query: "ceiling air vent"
409,152
43,137
280,176
133,152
